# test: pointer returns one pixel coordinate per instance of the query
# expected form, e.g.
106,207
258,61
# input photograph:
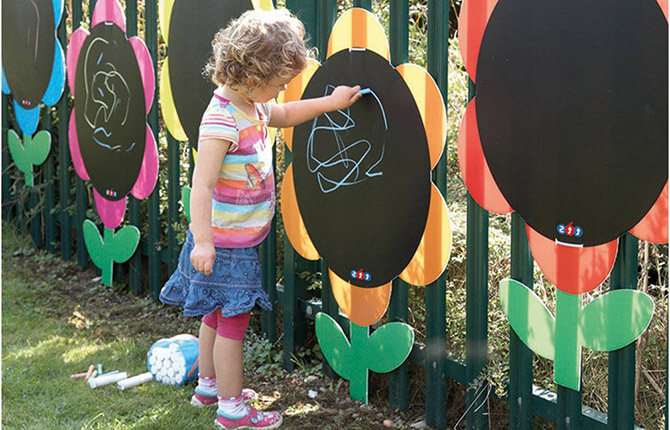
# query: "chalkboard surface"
110,111
362,175
193,24
28,43
572,107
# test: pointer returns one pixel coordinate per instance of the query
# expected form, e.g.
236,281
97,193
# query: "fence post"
399,44
6,193
520,356
81,195
49,179
436,304
151,39
621,377
64,152
269,257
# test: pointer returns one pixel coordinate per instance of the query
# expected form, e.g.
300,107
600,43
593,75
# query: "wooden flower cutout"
359,191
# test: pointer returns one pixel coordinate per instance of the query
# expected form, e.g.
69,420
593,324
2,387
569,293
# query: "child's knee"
233,327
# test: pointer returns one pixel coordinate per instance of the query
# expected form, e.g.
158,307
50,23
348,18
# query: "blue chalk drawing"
343,157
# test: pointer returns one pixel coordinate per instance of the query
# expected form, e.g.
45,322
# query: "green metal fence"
54,211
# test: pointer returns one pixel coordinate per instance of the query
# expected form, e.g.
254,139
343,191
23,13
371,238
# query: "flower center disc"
110,111
193,25
572,108
28,44
362,175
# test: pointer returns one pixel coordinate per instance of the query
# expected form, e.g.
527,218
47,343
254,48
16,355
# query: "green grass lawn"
40,350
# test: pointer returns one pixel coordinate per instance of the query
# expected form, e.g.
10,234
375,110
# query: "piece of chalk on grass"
78,375
106,380
365,91
135,380
99,369
91,368
113,372
93,375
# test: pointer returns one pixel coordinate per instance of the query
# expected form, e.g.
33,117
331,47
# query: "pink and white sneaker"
253,420
199,400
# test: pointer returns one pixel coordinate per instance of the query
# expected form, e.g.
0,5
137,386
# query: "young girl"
233,199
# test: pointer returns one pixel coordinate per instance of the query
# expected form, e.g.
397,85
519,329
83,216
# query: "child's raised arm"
205,174
297,112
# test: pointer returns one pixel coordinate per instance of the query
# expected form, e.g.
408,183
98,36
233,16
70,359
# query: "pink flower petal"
75,152
73,48
146,69
146,180
108,11
111,212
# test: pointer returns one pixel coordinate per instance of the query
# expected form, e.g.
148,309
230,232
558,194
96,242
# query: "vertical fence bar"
151,39
621,378
399,44
80,195
134,265
520,357
366,4
35,220
569,411
294,323
269,252
6,192
50,191
436,326
64,150
326,12
476,305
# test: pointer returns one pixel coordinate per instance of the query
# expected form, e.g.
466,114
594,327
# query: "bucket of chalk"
174,360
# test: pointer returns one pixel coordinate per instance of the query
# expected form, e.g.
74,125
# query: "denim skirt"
234,285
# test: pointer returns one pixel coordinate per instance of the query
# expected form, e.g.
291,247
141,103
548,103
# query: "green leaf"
20,155
94,244
388,347
186,201
615,319
123,243
529,317
334,345
39,147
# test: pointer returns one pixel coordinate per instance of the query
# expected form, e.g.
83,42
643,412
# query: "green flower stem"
108,266
567,367
358,384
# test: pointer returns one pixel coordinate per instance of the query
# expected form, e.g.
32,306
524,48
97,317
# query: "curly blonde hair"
258,47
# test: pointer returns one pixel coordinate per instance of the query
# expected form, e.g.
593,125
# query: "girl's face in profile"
270,91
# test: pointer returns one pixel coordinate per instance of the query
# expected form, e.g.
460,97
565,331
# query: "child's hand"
203,256
343,97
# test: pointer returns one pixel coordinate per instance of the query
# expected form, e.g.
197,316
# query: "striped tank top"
243,201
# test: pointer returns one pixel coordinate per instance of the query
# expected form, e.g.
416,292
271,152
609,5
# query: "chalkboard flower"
569,131
188,29
112,79
358,192
33,65
569,128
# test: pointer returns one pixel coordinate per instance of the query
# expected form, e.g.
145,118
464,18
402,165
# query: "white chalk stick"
105,380
135,380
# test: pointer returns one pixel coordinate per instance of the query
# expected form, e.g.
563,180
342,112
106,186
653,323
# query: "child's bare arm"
294,113
205,174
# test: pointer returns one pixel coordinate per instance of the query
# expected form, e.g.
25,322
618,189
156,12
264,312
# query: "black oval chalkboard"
362,176
193,24
28,43
572,107
110,111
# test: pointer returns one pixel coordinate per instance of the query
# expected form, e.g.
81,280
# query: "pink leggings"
231,328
